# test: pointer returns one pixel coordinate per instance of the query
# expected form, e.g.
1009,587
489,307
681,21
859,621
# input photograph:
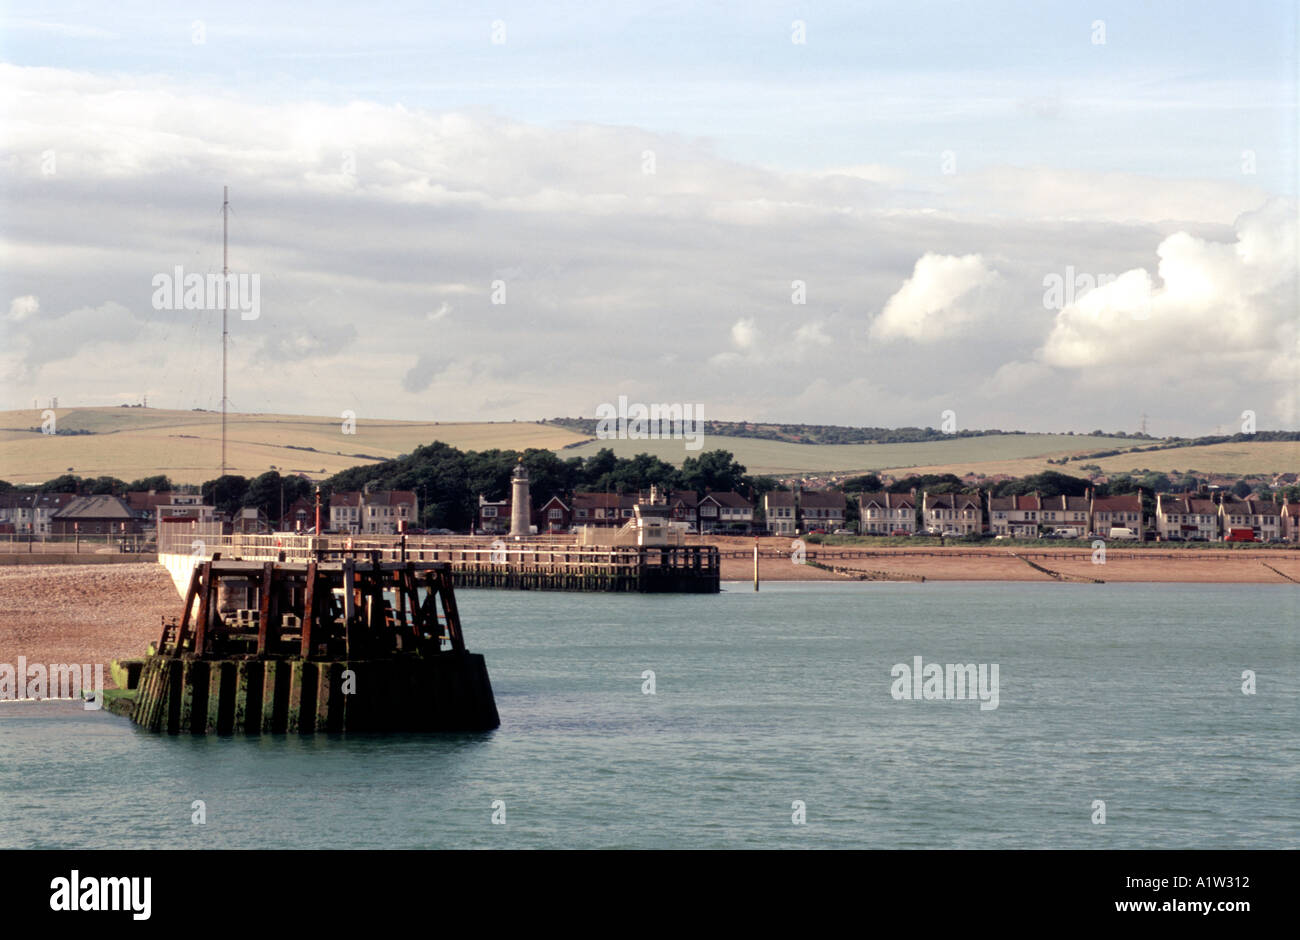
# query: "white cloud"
20,308
608,268
939,298
811,335
1213,298
1221,310
744,334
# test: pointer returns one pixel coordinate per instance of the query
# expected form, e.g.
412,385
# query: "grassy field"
1241,459
1274,456
131,443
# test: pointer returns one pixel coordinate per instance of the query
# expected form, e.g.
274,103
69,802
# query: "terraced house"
821,510
31,513
885,513
1263,517
384,512
779,508
1064,513
1117,512
952,514
1017,516
725,512
1186,518
601,508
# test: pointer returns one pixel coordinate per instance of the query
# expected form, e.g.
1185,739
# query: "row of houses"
1190,518
377,513
383,512
712,512
1022,516
70,514
1030,515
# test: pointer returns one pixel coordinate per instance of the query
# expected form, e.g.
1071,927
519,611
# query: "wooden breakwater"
282,647
1056,574
861,574
534,564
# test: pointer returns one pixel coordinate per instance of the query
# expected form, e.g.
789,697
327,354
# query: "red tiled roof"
602,501
814,499
1128,502
886,500
140,499
733,500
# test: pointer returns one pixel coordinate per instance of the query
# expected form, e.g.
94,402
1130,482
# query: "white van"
1121,533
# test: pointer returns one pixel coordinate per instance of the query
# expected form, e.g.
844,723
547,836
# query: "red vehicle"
1240,535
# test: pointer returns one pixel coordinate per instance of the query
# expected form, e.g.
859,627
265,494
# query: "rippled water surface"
1120,692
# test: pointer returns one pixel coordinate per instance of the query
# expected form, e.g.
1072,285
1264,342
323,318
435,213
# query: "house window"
555,514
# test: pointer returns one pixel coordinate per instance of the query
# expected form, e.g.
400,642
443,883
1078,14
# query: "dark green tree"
104,486
712,470
160,483
67,483
866,483
225,493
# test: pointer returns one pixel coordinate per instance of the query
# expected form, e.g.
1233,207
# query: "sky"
1058,216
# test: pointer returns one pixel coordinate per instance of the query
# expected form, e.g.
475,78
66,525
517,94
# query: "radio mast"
225,312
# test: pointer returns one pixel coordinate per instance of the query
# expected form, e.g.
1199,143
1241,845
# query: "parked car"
903,532
842,532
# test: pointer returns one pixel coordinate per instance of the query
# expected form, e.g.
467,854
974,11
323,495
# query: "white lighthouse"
521,509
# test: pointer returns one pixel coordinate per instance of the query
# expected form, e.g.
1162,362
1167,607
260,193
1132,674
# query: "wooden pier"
536,565
348,645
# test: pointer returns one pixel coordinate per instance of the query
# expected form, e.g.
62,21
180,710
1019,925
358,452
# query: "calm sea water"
1129,694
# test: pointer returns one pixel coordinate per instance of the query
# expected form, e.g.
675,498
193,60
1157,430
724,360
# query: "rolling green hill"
131,443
